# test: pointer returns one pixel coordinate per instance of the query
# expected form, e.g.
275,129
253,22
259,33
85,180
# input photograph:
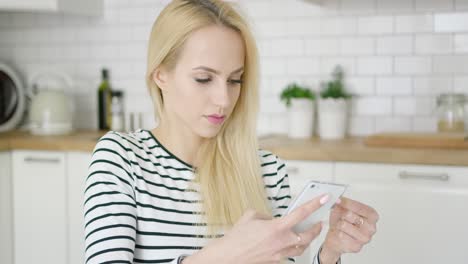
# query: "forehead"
215,46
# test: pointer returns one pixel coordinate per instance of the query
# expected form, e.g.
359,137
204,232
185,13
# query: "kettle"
51,110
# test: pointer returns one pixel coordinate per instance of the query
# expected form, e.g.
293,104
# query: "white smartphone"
310,191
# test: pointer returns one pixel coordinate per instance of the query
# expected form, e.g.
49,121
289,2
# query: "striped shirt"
138,206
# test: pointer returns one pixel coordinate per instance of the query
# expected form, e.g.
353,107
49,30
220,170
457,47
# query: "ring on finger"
359,222
299,239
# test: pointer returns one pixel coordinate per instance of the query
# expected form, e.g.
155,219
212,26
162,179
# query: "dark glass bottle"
104,102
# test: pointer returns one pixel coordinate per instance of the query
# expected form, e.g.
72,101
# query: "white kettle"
51,111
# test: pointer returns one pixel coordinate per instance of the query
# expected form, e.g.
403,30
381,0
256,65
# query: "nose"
221,96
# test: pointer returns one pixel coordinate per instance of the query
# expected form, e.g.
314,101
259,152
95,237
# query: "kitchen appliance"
12,98
51,110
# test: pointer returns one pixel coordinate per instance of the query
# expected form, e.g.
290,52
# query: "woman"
196,189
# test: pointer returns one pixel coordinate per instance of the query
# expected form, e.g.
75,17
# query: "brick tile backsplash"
395,45
398,55
378,65
434,44
378,25
451,64
414,23
451,22
413,65
394,86
393,124
461,43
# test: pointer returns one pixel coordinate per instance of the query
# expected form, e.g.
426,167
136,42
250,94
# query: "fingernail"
324,199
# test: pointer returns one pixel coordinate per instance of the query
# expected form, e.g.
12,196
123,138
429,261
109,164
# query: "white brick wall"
395,45
397,54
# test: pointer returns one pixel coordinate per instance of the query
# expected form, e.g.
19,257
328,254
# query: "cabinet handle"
435,177
293,170
42,160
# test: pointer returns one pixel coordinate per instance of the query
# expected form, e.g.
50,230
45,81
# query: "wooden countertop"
76,141
351,149
354,150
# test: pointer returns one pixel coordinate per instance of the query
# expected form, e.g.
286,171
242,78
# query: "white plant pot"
301,118
332,118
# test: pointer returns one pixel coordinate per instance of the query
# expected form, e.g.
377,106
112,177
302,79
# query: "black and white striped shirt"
138,208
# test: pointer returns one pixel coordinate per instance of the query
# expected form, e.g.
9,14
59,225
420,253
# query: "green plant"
294,90
335,87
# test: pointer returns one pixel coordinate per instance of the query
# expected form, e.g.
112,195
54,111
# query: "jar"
117,120
451,113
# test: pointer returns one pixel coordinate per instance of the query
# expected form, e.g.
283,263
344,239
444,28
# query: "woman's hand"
352,225
257,238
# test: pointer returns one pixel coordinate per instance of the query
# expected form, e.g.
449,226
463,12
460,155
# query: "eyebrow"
215,71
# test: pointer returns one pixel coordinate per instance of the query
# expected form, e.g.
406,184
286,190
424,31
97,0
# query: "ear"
160,77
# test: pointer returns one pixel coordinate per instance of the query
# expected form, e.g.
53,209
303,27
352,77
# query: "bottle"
117,111
104,102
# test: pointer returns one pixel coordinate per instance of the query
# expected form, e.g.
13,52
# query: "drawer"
427,175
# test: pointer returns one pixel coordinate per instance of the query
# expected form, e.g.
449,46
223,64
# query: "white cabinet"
77,170
83,7
47,190
39,207
6,223
423,212
299,173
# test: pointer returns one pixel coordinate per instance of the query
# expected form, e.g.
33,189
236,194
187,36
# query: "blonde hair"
229,172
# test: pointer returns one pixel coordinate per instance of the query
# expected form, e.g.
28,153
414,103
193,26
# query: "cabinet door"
39,211
300,172
6,237
77,170
422,208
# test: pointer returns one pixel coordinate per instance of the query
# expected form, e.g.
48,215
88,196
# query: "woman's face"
205,82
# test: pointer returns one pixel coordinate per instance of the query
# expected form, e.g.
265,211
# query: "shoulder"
117,148
269,161
273,168
122,142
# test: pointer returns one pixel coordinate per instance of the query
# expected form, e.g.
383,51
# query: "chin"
208,133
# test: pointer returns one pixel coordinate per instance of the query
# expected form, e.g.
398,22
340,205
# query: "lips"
217,116
216,119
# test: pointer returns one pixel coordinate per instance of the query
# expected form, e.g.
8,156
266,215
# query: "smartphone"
310,191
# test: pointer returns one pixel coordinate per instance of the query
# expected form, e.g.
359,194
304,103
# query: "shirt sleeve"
280,196
317,259
109,204
282,192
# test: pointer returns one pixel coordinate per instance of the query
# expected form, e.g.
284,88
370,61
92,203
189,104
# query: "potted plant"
333,107
300,103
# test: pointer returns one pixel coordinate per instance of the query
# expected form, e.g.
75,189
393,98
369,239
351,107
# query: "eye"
205,80
239,81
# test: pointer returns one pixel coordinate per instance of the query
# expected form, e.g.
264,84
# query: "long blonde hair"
229,171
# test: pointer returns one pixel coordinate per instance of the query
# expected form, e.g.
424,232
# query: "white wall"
399,54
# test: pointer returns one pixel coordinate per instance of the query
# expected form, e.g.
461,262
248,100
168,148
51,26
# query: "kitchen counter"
354,150
76,141
351,149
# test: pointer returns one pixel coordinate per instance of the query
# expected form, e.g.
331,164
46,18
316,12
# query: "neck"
181,142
